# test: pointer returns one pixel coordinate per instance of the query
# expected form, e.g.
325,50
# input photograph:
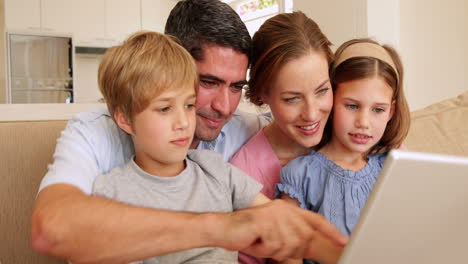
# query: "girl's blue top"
322,186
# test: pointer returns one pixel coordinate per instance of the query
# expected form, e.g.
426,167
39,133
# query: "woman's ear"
123,121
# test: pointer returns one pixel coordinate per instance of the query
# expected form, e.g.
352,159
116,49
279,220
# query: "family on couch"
160,103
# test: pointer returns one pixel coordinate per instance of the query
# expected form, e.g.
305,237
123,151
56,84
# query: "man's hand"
280,230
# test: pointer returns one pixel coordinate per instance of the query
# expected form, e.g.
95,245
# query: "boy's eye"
164,109
190,106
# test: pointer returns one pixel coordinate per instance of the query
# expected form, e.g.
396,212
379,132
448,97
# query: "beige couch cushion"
441,127
26,149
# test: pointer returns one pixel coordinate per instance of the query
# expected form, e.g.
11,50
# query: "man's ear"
392,110
123,121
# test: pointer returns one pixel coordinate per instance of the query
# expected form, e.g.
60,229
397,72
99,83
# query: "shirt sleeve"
90,145
243,188
292,181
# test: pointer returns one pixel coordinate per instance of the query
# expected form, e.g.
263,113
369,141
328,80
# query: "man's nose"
221,102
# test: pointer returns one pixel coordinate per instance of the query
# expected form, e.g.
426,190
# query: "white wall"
431,36
3,89
434,47
340,20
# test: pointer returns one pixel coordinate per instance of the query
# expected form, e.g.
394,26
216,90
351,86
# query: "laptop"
416,213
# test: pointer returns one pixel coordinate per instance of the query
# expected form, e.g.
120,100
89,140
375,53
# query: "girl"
370,116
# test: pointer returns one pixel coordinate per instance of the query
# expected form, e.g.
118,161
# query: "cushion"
441,127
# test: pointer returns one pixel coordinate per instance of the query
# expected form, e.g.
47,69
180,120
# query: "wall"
431,36
340,20
3,89
434,43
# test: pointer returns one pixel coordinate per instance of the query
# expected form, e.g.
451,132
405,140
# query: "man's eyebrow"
211,77
216,79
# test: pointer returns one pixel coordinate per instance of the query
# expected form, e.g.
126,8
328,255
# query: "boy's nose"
181,120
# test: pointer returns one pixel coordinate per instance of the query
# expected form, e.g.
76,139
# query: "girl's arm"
289,199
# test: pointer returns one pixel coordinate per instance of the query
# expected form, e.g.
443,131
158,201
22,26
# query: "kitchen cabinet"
39,16
104,22
122,18
22,15
88,21
55,16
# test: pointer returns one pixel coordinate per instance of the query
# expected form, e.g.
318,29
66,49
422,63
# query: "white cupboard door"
154,14
122,18
88,19
56,16
23,15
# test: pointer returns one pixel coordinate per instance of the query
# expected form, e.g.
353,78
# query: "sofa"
27,147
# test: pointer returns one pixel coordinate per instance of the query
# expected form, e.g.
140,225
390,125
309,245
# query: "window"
255,12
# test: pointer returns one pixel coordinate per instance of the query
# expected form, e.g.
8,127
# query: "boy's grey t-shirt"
208,184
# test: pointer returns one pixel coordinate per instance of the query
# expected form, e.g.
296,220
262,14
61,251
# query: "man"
69,223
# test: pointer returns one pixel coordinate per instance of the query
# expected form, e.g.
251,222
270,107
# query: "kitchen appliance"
40,69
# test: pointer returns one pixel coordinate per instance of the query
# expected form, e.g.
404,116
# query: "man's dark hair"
207,22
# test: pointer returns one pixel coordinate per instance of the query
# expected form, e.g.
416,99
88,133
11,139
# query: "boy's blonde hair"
145,65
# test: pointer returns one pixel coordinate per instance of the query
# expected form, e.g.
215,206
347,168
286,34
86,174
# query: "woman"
290,74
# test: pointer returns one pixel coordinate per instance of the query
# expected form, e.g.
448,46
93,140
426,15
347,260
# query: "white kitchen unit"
122,18
22,15
55,16
89,22
104,22
38,16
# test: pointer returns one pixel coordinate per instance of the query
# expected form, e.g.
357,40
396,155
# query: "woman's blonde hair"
146,64
361,67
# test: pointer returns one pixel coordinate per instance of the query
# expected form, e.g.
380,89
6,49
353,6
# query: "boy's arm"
69,224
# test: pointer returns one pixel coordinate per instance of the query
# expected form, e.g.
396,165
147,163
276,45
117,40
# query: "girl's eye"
379,110
352,106
190,106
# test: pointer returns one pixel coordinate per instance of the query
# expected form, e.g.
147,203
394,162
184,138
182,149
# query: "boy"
149,84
